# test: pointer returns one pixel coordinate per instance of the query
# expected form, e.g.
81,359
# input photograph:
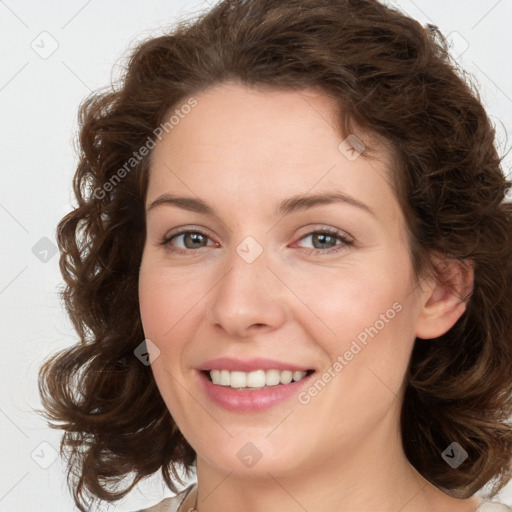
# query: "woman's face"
286,253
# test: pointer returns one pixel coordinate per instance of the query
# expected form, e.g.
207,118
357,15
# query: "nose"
248,300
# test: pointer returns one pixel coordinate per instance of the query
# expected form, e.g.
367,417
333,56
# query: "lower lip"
250,400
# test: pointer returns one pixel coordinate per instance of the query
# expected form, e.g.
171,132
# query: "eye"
190,240
325,241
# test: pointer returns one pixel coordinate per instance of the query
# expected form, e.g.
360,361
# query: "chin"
247,459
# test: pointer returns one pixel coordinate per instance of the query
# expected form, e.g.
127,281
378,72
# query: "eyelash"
346,242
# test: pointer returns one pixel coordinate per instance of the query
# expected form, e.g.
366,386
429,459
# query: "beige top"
180,503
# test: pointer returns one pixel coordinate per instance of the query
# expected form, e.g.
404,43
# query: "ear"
444,297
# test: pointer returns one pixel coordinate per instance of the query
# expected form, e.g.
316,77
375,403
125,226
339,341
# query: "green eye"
191,240
327,238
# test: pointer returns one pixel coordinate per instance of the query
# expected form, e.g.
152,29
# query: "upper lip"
249,365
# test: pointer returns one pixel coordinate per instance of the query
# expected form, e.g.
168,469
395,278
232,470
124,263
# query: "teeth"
256,379
272,377
286,377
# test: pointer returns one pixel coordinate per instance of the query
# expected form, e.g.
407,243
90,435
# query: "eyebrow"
287,206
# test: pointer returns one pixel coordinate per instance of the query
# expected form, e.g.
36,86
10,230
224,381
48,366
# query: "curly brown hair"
389,75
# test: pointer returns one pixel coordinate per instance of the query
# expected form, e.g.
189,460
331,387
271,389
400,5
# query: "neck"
373,476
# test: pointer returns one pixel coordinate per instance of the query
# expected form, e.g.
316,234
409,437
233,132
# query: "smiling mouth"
257,379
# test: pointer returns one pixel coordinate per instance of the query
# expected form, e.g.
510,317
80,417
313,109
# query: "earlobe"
445,297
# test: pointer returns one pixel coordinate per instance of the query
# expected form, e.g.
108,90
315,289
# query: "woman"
290,268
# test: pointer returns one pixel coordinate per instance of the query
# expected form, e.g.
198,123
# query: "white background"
39,99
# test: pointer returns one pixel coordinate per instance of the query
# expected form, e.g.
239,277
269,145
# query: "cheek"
161,308
349,304
367,321
152,302
166,297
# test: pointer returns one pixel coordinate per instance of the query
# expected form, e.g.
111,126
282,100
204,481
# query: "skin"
243,150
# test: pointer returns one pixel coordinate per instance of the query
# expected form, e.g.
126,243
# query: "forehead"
234,119
247,144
